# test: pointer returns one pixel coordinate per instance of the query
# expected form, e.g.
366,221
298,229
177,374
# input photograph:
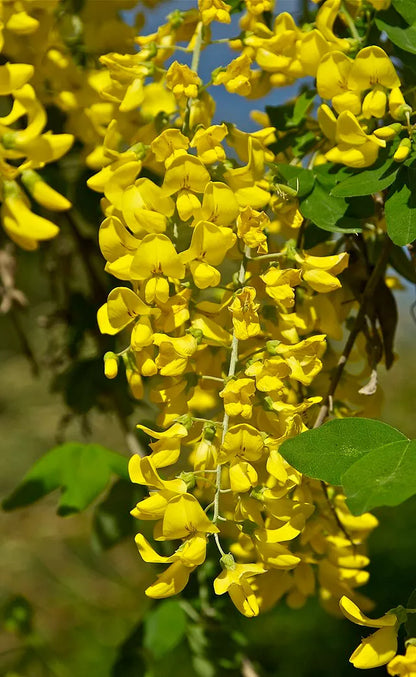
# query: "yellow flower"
241,441
251,225
13,76
208,143
20,223
320,271
380,647
372,67
247,182
190,553
244,313
167,143
186,174
354,147
146,207
332,83
219,205
184,517
174,353
237,396
280,285
325,20
214,10
404,666
268,373
208,247
234,580
182,81
171,582
155,260
122,307
303,359
236,77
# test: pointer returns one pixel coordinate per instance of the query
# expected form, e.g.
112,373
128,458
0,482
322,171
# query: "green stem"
350,23
226,420
197,48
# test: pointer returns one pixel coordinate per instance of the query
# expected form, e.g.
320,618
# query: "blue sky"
230,107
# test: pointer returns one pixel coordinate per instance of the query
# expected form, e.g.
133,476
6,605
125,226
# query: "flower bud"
227,561
110,365
388,132
403,150
271,346
43,193
209,431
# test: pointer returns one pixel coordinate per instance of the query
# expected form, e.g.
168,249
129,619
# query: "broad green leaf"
328,212
400,208
407,9
397,30
402,263
81,471
368,181
325,453
384,476
164,628
298,178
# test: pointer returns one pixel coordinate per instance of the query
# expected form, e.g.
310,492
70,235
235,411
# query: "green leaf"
314,236
368,181
301,108
298,178
164,628
384,476
81,471
291,115
407,9
400,208
328,212
402,263
397,30
325,453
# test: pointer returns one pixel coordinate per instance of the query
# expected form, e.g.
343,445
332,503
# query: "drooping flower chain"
225,318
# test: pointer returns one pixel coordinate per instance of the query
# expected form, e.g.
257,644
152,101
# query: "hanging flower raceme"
221,320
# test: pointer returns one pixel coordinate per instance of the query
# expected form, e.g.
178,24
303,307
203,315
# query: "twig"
368,293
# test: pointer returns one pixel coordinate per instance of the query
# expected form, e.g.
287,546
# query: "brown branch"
367,295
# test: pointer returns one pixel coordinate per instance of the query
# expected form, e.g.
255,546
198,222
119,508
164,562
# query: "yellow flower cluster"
52,59
222,324
25,146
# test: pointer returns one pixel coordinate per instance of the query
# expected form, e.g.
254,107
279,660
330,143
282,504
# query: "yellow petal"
375,650
372,67
13,76
354,614
171,582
